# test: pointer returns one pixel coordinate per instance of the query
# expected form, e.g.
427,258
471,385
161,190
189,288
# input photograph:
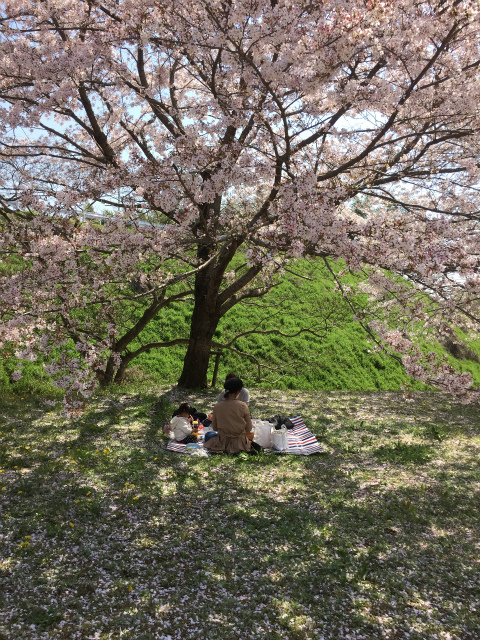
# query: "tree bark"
205,319
106,377
210,305
121,371
195,365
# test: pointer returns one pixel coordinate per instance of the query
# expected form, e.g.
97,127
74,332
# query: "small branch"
153,345
299,275
276,332
241,353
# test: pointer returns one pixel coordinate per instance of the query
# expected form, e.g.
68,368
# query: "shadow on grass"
141,543
313,559
403,453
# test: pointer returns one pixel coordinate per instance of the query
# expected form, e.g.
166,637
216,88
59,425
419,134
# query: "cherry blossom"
347,130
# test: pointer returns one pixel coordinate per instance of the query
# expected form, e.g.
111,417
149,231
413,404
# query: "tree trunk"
205,318
195,364
120,375
107,376
210,305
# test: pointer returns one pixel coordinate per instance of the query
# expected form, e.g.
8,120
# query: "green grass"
107,535
343,360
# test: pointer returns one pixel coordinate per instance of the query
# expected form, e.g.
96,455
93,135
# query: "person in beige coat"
232,422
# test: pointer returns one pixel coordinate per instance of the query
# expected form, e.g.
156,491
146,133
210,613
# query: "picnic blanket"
301,441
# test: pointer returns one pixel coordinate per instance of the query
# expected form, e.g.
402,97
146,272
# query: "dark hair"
230,375
184,408
232,386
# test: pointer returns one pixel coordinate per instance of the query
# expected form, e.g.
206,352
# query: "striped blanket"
301,441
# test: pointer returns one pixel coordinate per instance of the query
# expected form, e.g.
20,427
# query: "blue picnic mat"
301,441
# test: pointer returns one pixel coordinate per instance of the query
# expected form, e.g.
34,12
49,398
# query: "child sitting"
182,425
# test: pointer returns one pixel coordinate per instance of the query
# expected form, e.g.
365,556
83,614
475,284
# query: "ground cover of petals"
104,534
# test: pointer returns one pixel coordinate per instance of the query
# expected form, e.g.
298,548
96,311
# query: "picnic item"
262,429
279,420
167,431
196,450
301,441
209,434
278,436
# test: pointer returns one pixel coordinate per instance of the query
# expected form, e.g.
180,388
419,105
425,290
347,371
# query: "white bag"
262,433
279,438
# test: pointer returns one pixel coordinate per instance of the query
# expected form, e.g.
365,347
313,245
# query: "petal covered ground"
104,534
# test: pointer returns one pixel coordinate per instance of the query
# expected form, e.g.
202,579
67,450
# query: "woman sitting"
231,421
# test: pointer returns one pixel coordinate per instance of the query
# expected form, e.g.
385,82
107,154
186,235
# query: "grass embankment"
106,535
343,360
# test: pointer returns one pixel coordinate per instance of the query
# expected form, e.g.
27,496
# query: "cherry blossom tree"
255,126
81,295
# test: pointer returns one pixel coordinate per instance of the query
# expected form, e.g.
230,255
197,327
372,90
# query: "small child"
182,425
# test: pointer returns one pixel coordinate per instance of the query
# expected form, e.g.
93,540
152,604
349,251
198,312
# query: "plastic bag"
279,438
200,452
167,431
262,433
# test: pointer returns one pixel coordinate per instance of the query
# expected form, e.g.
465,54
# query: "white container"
262,430
279,438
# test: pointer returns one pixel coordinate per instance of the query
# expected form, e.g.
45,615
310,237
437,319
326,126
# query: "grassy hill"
340,359
344,359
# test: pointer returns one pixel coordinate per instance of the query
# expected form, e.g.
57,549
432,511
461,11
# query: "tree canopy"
252,125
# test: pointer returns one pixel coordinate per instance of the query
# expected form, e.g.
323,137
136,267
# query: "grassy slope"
106,535
344,359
